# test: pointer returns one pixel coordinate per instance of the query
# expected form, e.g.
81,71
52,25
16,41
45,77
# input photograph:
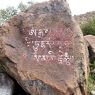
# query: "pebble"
92,92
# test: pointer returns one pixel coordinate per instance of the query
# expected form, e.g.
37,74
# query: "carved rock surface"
43,49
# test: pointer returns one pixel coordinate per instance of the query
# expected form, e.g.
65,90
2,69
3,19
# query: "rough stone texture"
90,40
6,85
44,50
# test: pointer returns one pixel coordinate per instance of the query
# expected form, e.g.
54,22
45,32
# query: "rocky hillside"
84,18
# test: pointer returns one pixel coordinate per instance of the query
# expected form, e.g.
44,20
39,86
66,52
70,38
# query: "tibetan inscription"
54,46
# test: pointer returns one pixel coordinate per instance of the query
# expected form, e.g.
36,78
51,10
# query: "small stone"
93,71
93,92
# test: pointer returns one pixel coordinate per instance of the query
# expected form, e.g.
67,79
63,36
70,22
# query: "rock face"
6,85
90,39
43,50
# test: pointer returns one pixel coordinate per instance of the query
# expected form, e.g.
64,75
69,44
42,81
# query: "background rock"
6,85
90,39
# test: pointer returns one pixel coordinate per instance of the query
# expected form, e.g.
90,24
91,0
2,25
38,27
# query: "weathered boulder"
90,40
43,49
6,85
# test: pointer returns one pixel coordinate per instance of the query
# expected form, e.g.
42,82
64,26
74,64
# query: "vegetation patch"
89,27
91,78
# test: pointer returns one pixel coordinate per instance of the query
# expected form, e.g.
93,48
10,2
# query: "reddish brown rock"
44,50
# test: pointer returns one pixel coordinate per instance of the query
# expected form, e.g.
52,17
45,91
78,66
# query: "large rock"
6,85
90,40
44,50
